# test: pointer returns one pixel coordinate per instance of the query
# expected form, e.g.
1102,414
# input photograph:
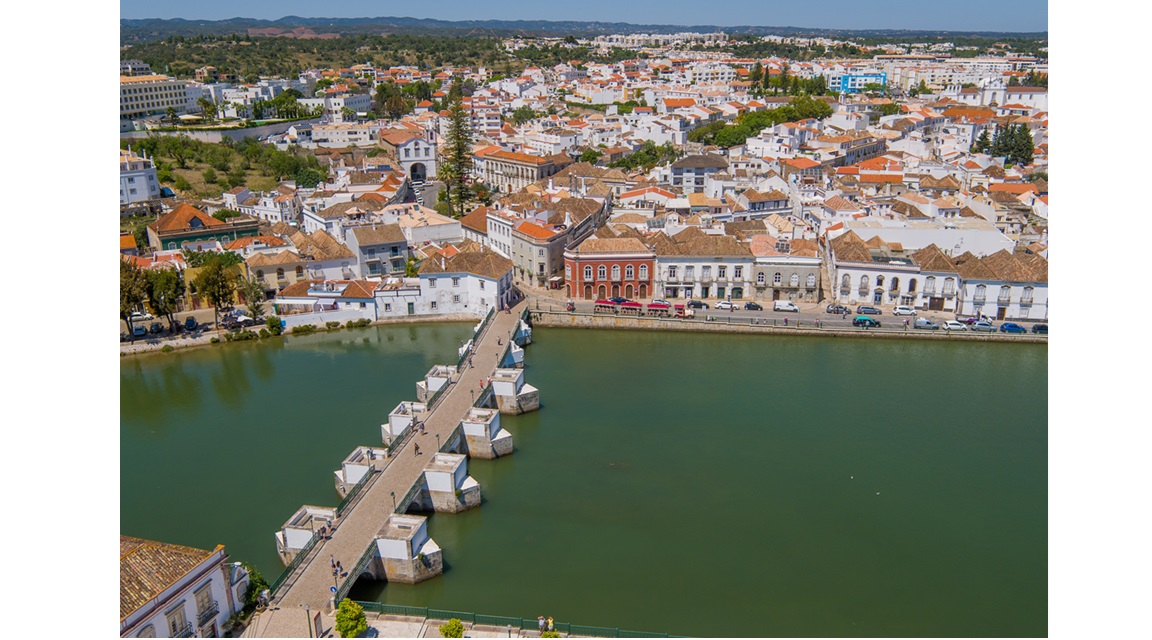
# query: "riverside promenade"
309,585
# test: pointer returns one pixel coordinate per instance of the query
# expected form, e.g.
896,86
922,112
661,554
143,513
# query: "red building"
609,267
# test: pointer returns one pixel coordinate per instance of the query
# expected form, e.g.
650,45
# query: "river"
693,484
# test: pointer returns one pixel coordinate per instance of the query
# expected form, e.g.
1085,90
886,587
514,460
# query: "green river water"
693,484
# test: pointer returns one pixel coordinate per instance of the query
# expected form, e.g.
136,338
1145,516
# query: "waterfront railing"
524,624
402,506
295,564
354,491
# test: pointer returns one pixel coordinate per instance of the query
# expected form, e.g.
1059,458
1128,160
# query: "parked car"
696,304
237,321
156,328
785,305
865,321
139,331
983,326
618,300
660,301
1012,327
190,324
925,323
868,311
970,320
138,316
1040,328
955,325
752,306
725,305
903,311
838,309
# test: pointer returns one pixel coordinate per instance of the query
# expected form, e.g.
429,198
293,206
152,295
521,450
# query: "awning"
555,279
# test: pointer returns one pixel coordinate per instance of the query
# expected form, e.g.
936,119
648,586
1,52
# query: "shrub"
348,325
362,322
274,326
167,348
214,340
332,324
350,619
264,333
303,329
550,634
452,629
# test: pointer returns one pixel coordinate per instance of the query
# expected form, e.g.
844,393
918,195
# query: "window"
738,272
431,283
930,285
260,274
706,273
981,292
811,281
721,272
794,280
587,273
455,282
879,281
601,272
671,273
629,272
299,273
387,307
147,632
540,252
177,621
433,305
643,272
777,279
363,305
949,286
567,272
456,299
689,273
481,284
1026,298
279,273
615,272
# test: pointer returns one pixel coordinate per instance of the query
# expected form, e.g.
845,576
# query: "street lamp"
437,441
308,615
393,500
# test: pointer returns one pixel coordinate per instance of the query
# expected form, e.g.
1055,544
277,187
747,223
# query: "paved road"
356,530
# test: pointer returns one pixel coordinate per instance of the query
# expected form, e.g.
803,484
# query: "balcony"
1003,301
979,300
1026,302
862,291
208,613
184,631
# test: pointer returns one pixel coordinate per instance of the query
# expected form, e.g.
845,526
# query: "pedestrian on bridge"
417,448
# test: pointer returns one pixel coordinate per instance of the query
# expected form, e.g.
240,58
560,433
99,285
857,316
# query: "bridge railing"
361,564
402,505
354,491
447,444
295,564
484,396
526,624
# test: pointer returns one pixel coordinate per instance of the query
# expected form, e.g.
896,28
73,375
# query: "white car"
660,301
140,317
903,311
953,325
725,305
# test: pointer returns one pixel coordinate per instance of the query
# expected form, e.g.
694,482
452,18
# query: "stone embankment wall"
729,325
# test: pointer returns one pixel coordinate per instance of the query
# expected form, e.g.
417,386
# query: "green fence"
483,399
292,566
402,506
525,624
447,444
354,491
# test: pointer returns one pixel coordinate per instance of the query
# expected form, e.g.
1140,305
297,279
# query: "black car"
1040,328
868,311
696,304
618,300
155,328
752,306
838,309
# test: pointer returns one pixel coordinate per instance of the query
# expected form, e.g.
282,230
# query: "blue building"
855,82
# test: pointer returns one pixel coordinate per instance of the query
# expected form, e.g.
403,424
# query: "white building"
137,178
149,95
173,591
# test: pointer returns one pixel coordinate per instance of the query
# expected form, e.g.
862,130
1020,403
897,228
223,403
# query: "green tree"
410,270
523,114
209,175
253,290
170,115
133,292
591,156
1022,145
983,143
756,76
207,107
395,106
350,619
165,287
236,177
256,584
216,283
274,326
457,158
889,109
452,629
181,184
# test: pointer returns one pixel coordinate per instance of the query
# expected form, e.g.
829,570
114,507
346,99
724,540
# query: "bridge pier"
404,551
357,465
300,529
403,417
445,486
513,395
436,378
483,435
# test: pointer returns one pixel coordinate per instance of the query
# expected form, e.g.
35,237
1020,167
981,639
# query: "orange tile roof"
534,230
181,217
127,241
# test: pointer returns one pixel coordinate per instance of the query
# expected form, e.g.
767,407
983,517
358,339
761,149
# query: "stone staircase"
418,189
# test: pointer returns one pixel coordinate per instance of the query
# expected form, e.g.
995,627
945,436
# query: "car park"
725,305
865,321
752,306
1040,328
903,311
925,323
1012,327
983,326
955,325
868,311
838,309
696,304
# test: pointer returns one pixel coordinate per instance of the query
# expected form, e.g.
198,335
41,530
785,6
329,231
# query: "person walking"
540,623
417,448
339,567
551,624
332,559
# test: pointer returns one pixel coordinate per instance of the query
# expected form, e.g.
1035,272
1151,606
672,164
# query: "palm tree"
170,114
207,107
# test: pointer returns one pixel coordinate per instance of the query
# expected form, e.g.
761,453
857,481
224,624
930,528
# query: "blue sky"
977,15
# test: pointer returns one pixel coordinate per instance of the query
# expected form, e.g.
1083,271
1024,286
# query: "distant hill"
143,30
